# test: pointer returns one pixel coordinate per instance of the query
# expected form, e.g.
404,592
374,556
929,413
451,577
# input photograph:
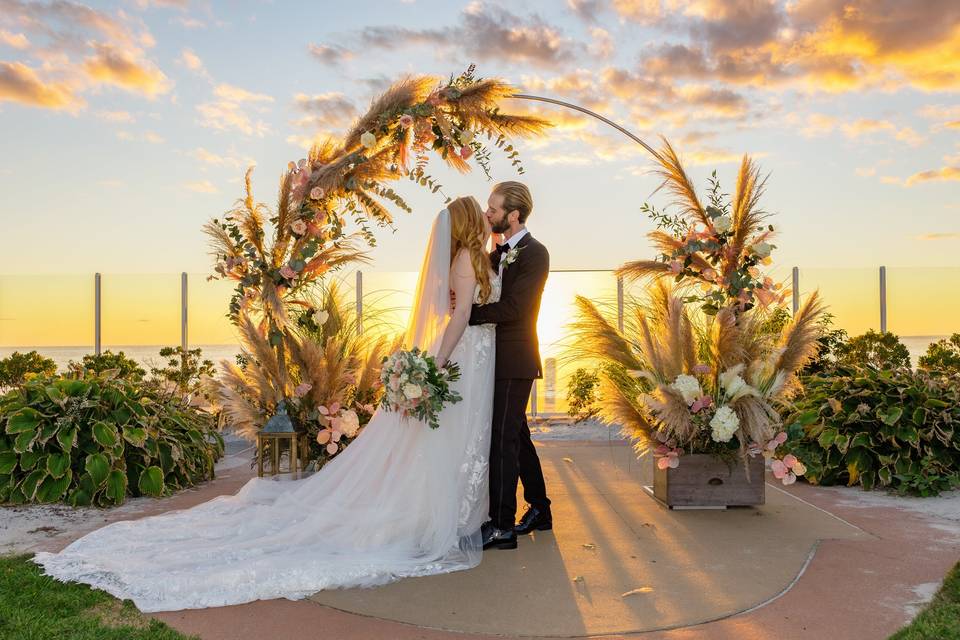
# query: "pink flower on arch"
406,121
466,151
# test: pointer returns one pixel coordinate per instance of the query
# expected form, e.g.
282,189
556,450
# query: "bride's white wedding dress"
401,500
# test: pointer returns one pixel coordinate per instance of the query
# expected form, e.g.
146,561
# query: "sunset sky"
126,125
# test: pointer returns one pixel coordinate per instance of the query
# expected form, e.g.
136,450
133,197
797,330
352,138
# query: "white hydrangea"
722,224
724,424
688,386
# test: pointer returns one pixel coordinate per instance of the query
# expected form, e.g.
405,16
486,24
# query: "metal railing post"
620,303
360,302
883,299
96,313
183,311
796,290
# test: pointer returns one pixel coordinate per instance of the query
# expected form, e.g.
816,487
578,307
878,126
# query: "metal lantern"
278,431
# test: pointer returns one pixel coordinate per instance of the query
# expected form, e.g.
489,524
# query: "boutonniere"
511,256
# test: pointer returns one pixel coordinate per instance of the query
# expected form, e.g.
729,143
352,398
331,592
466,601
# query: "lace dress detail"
402,500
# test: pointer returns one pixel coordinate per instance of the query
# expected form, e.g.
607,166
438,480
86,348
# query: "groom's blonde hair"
517,196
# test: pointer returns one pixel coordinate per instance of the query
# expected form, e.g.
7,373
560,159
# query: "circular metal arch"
570,105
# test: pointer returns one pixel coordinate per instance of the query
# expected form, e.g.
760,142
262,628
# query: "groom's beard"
500,227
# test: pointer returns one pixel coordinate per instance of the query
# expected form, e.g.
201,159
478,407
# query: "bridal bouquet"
415,386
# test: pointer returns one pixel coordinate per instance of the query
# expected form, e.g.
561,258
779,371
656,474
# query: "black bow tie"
503,248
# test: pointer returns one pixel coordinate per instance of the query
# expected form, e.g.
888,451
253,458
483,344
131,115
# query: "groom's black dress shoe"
535,519
499,538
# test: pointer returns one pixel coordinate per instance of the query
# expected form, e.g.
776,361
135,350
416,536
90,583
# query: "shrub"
871,427
97,439
127,368
14,368
185,369
943,355
829,345
582,390
882,350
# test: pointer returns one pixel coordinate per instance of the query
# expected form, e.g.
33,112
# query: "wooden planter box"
702,481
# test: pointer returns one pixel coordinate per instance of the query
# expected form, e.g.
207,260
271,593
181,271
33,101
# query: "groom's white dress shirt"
512,243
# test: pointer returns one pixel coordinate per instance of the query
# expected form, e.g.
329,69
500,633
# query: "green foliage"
881,350
582,391
870,427
97,439
127,368
36,606
14,368
184,368
830,343
941,619
943,355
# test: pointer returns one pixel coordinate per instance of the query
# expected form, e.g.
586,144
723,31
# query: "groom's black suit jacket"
518,349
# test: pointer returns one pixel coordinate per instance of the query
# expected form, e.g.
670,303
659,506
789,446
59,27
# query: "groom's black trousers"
512,454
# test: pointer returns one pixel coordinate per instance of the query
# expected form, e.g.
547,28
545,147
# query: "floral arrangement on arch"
714,252
339,182
710,377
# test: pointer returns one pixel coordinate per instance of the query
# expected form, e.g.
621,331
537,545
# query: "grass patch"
34,606
941,619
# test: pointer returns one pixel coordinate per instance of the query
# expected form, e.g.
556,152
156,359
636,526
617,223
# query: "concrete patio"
810,563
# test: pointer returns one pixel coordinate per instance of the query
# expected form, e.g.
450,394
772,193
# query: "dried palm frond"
799,342
401,95
747,217
619,407
641,269
678,183
725,346
593,337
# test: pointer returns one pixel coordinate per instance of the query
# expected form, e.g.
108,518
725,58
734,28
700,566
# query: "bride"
402,500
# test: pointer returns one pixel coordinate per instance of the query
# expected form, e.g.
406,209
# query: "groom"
523,264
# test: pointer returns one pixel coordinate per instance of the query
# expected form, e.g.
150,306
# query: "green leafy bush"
99,438
881,350
184,368
15,367
127,368
870,427
943,355
582,390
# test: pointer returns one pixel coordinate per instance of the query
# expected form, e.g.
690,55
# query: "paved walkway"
811,563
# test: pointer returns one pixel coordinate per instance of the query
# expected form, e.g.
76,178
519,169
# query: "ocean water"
146,355
149,355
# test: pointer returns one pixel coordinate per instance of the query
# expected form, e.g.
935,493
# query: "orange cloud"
14,40
114,66
20,83
943,174
202,186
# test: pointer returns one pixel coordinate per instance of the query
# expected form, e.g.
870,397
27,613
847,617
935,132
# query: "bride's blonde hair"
466,231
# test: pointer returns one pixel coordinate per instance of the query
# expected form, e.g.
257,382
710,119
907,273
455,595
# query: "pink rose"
434,99
466,152
299,227
790,460
316,193
332,448
302,389
675,266
288,272
406,121
710,274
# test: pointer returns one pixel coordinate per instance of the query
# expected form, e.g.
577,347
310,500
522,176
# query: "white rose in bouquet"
412,391
722,224
688,386
724,424
349,423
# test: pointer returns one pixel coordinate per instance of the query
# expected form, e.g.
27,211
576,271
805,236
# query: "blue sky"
127,125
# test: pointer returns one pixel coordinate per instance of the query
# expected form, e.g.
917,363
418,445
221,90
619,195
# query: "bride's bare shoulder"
462,266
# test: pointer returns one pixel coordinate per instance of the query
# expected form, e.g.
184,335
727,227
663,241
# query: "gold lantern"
278,432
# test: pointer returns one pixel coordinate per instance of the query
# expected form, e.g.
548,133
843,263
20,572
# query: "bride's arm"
463,281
